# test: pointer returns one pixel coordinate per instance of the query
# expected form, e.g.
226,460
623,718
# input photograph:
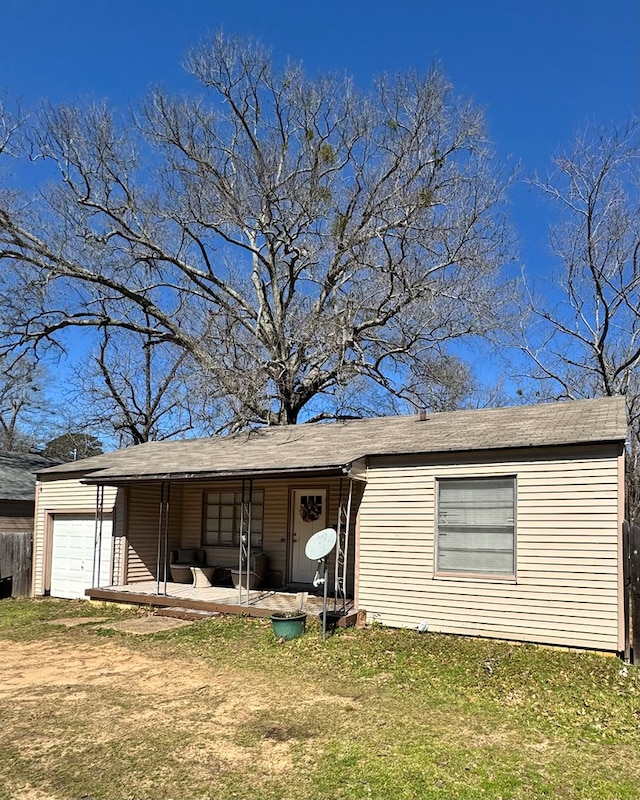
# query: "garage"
72,555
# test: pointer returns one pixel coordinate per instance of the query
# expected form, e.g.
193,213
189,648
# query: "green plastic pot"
288,625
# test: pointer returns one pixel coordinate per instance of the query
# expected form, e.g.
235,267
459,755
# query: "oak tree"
293,237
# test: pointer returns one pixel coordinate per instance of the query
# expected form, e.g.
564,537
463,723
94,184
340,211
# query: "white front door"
72,556
309,517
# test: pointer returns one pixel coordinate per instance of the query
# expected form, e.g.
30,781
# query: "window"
476,531
222,518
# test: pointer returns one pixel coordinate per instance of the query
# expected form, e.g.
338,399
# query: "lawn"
221,709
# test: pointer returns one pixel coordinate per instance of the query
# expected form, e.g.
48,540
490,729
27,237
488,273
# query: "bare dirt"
60,697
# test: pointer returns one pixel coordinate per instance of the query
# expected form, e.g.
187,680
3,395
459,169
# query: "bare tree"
290,235
585,341
22,407
134,388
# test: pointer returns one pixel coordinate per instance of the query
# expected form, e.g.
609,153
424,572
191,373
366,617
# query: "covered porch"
230,545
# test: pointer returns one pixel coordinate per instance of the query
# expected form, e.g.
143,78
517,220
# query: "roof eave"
183,477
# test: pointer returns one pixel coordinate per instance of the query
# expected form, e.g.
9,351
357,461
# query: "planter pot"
288,625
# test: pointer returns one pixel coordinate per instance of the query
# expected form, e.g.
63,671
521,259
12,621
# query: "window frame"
467,574
257,539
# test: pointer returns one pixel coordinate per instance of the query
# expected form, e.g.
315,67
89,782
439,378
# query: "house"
17,502
496,522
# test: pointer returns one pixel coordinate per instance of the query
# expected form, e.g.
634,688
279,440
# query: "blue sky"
540,68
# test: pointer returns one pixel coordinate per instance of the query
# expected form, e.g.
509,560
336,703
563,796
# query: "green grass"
221,709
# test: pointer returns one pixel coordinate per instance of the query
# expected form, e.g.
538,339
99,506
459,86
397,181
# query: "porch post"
247,512
344,522
336,566
160,539
166,536
345,560
242,552
244,538
97,536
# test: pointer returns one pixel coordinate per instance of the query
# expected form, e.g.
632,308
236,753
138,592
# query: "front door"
309,517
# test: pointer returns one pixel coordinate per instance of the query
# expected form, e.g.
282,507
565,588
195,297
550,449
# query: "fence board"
634,591
16,554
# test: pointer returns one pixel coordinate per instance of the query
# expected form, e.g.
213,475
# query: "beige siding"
567,531
65,495
16,515
143,529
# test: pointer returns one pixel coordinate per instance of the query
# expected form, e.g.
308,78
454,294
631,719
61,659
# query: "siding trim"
36,517
47,550
356,559
298,487
482,576
622,622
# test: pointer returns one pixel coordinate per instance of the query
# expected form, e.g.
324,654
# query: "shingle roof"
330,446
18,474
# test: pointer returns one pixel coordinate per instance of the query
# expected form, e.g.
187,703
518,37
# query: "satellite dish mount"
318,549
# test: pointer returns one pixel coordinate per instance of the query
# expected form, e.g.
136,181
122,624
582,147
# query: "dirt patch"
147,625
76,701
74,622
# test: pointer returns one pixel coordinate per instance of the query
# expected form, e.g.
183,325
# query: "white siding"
567,568
69,495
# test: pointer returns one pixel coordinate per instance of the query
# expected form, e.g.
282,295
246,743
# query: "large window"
223,515
476,526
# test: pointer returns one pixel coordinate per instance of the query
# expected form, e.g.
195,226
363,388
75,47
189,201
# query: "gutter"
180,477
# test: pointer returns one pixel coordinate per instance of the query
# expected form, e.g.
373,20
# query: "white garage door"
72,559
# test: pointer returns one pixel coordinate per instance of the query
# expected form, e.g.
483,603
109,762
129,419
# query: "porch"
223,600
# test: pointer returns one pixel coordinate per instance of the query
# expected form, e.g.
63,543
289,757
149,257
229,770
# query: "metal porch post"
162,539
342,548
244,537
97,536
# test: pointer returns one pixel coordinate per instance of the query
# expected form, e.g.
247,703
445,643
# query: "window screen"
476,525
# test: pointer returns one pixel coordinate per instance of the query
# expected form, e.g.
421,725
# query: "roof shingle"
326,446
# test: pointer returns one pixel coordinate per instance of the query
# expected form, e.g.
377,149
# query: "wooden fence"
631,554
16,553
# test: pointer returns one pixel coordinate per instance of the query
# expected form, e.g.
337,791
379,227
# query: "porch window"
476,526
223,514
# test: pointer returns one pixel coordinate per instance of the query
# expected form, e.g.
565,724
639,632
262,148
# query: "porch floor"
261,603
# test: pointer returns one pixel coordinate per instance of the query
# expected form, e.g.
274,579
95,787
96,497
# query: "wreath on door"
309,509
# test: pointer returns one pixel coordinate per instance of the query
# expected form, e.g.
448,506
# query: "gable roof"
330,447
18,474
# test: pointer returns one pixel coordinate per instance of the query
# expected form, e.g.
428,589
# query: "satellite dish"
321,544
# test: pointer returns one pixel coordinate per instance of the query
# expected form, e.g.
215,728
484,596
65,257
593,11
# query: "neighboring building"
17,502
497,522
17,489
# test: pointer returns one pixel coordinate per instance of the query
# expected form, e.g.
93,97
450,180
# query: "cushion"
186,555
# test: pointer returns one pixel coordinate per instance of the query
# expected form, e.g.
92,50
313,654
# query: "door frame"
309,489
